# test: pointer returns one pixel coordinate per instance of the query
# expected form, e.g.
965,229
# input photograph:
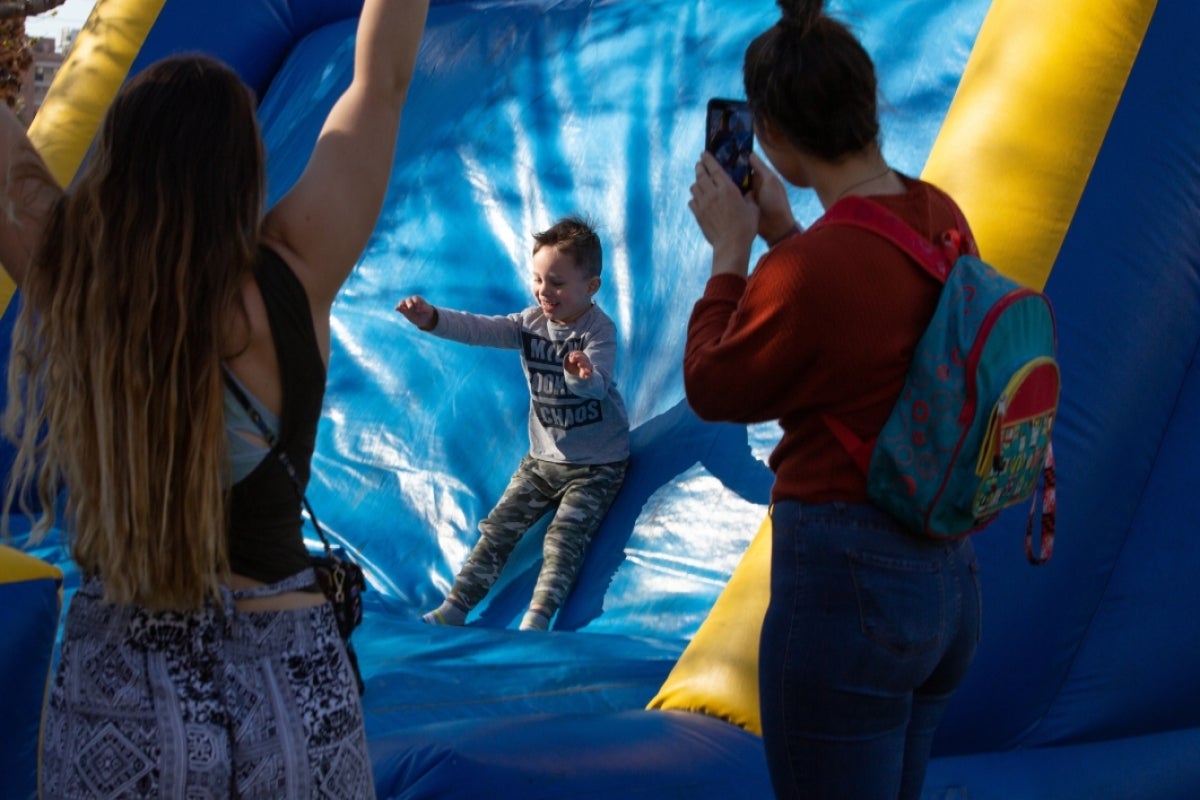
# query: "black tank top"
265,538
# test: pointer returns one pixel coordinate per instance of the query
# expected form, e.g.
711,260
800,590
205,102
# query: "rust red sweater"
825,325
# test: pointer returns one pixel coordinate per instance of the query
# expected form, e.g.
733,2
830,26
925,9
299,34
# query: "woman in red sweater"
869,629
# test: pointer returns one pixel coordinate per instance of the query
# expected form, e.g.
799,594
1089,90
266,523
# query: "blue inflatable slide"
1068,130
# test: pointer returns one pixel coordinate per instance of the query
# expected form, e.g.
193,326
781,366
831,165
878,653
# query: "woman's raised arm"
323,223
27,192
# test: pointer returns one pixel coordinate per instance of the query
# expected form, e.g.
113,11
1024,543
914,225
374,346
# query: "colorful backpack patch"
970,433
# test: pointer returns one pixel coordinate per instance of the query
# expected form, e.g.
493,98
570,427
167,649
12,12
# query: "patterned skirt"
215,703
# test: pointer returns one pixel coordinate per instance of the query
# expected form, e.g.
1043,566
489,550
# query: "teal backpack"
970,433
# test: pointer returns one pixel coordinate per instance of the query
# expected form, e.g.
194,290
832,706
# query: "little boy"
578,429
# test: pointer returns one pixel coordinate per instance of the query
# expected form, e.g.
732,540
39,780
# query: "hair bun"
800,16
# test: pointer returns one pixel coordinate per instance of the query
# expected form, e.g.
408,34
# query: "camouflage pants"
582,493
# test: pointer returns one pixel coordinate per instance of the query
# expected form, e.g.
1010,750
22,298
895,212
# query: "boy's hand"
418,312
578,364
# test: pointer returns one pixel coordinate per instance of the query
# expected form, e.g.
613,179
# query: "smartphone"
729,136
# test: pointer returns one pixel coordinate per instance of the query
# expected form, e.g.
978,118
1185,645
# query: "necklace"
863,182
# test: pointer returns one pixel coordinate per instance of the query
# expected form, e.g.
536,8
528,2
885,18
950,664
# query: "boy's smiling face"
560,287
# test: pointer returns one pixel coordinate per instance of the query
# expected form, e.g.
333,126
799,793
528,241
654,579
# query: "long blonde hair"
114,385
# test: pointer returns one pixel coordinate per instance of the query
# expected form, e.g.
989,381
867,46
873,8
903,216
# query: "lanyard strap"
236,390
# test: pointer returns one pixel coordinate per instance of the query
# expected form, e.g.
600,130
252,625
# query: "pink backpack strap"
1049,498
935,259
860,450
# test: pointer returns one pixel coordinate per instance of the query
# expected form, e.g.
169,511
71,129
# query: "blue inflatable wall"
527,110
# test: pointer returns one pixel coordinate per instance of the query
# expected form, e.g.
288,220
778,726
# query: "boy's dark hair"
575,237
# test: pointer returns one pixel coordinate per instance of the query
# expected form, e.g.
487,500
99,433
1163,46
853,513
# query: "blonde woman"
198,657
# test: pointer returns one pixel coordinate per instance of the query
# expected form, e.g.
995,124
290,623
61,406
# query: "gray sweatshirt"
571,420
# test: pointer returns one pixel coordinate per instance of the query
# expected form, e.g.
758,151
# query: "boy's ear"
593,284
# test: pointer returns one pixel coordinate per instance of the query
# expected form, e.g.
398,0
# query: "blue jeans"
868,633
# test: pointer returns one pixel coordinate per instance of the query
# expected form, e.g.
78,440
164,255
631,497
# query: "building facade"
47,59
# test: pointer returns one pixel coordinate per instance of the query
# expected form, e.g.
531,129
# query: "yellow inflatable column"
84,88
1034,104
1016,149
718,672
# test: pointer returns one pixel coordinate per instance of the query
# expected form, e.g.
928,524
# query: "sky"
71,14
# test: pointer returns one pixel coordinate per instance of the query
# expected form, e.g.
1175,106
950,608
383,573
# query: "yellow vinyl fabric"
16,566
84,87
1032,109
717,674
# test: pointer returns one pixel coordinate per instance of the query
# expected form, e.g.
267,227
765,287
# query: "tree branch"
10,9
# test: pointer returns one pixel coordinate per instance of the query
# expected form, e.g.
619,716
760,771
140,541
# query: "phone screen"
729,136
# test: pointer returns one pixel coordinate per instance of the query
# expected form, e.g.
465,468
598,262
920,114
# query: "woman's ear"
765,129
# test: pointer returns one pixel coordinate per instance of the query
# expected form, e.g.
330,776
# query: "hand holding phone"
729,136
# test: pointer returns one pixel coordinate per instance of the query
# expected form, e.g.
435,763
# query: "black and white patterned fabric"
215,703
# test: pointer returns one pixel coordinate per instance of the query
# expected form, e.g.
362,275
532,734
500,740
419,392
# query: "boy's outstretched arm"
418,312
323,223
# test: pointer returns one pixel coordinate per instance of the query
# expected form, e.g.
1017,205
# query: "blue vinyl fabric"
29,613
527,110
